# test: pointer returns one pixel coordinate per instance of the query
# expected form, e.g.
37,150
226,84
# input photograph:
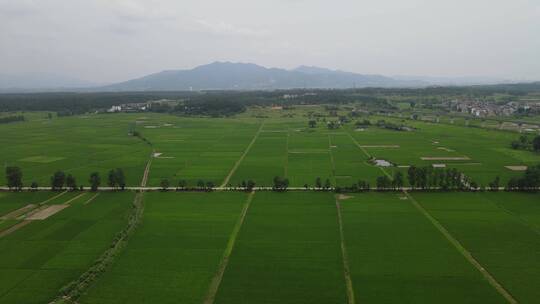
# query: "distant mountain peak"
225,75
313,70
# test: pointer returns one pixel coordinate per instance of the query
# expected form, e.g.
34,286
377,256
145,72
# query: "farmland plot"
175,252
40,258
288,251
203,149
266,159
502,242
397,256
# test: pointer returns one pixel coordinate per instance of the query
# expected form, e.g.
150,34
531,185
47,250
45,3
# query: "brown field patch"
380,146
344,197
42,214
516,168
444,158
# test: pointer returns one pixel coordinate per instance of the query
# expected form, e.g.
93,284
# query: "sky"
106,41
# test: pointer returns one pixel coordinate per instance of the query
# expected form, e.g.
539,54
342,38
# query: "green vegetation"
288,251
501,240
38,259
394,252
293,242
174,253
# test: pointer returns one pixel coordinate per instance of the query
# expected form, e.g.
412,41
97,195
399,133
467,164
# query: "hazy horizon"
110,41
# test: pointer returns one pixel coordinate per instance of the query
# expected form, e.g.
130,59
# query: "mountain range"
238,76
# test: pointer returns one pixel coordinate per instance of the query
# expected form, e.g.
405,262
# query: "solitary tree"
327,184
120,178
411,175
397,183
58,180
164,184
71,183
95,181
34,186
182,184
200,184
111,179
14,177
318,183
250,185
280,184
312,123
383,182
495,184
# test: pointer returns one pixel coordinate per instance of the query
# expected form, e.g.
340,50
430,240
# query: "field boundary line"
367,154
345,257
518,217
14,228
91,199
51,198
216,280
74,198
237,164
74,289
461,249
70,292
144,179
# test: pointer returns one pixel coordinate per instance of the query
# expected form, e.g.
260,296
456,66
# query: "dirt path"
345,257
237,164
71,292
147,170
463,251
216,280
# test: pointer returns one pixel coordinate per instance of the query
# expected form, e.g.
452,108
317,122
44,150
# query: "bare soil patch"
380,146
42,214
445,149
516,168
445,158
344,197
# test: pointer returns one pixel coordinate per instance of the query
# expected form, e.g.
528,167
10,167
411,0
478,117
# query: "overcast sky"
113,40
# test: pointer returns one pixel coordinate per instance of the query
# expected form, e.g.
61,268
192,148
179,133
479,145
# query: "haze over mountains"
237,76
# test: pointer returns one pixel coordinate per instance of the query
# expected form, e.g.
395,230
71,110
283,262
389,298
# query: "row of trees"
60,180
418,178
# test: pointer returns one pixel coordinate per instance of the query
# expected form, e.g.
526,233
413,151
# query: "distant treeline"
8,119
218,103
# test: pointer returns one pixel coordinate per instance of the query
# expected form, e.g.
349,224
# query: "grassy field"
174,253
288,251
40,258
